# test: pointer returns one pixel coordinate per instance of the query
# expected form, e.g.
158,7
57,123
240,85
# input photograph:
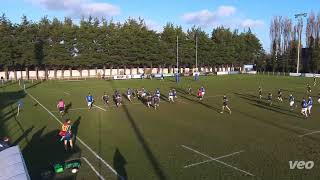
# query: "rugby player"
260,92
308,89
309,104
270,98
61,107
225,104
66,134
291,102
304,107
129,93
171,96
105,99
280,95
89,100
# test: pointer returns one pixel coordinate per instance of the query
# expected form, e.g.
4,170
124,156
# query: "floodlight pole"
197,53
177,54
299,17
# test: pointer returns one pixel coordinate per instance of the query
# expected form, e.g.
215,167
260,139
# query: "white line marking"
85,108
83,143
314,132
181,101
209,160
97,173
73,109
99,107
301,128
67,93
221,162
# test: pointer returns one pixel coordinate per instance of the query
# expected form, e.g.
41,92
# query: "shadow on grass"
182,94
44,150
119,163
154,162
68,106
255,101
75,128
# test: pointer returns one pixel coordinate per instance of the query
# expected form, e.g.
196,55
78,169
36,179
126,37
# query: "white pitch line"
94,170
73,109
82,142
314,132
111,106
209,160
301,128
67,93
180,101
221,162
99,107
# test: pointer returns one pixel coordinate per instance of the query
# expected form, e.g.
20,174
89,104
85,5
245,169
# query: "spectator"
4,144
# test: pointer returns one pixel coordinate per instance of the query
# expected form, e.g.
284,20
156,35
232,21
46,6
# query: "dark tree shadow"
45,150
182,94
68,106
34,84
75,128
164,97
154,162
119,163
261,104
23,136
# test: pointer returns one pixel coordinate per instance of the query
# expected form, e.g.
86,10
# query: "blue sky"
239,14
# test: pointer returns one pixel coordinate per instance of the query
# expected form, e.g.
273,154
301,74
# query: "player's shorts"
170,97
128,95
143,94
319,100
90,103
309,107
225,104
291,103
304,109
68,137
202,93
61,109
158,95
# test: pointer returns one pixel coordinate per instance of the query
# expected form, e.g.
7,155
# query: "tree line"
94,42
284,35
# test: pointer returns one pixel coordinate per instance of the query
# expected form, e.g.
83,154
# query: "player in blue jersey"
309,104
89,100
225,102
174,92
304,107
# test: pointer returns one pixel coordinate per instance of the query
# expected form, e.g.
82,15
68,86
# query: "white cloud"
226,11
252,23
78,8
222,16
153,25
201,17
206,17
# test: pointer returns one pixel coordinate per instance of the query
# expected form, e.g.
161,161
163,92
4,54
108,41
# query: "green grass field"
184,140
